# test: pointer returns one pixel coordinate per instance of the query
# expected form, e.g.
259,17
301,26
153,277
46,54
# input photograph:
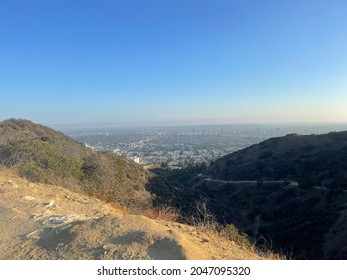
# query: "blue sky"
173,62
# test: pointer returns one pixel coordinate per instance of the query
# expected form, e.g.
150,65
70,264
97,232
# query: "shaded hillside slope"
40,221
314,159
298,222
42,154
307,217
287,193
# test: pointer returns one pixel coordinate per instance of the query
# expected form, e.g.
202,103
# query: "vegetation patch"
44,155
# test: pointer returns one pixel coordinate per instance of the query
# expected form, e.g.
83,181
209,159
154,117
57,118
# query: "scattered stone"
9,183
59,246
49,203
73,216
37,216
57,220
29,197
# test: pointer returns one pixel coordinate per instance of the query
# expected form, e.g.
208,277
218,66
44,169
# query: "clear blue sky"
173,62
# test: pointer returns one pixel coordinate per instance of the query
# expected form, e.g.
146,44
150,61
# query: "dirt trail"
39,221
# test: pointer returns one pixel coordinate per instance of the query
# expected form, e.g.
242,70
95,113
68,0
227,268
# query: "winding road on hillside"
288,183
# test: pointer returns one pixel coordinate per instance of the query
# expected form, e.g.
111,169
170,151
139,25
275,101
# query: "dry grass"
267,251
241,241
163,212
270,255
8,172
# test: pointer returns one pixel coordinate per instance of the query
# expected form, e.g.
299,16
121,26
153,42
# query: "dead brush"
207,222
204,220
163,212
266,250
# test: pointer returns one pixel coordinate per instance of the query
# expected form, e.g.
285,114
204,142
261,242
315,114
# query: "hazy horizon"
116,125
168,63
113,126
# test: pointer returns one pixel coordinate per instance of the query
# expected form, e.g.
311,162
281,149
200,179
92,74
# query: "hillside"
40,221
45,213
287,193
305,211
307,159
42,154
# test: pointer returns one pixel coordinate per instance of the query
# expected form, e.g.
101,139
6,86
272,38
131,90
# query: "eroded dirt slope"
40,221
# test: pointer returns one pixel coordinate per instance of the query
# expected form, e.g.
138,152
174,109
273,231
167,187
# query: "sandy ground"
39,221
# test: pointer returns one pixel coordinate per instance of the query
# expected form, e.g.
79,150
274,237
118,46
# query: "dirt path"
291,183
38,221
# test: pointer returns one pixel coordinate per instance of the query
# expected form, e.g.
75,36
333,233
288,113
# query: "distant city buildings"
184,146
173,149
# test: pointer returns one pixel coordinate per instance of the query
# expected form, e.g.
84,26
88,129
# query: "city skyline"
154,62
176,147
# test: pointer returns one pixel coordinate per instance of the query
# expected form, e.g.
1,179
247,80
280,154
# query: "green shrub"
32,172
233,234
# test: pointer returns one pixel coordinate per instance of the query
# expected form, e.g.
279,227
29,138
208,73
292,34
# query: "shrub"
163,212
233,234
40,161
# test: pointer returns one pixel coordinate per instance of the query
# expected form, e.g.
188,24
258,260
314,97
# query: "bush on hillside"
103,175
40,161
233,234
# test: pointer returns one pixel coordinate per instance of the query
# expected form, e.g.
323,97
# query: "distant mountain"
42,154
287,193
